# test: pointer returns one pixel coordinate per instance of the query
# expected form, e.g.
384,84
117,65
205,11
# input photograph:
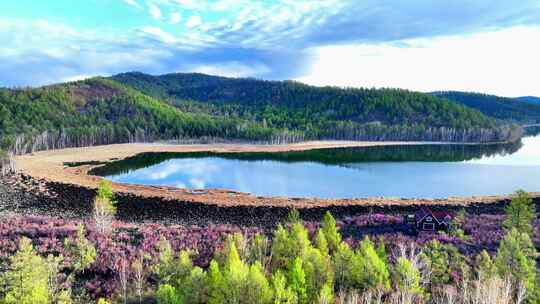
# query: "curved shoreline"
49,166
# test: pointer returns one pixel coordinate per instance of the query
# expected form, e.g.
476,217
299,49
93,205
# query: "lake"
427,171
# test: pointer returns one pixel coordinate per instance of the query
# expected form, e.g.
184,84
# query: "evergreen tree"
81,251
27,278
516,259
407,277
520,213
283,294
331,232
374,272
258,289
318,272
297,280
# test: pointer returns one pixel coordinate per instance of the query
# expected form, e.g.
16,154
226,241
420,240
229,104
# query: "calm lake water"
430,171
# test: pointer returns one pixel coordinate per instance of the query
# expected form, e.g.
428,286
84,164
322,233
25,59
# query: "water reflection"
404,171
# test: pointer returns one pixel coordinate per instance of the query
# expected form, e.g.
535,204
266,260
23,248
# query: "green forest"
522,110
135,107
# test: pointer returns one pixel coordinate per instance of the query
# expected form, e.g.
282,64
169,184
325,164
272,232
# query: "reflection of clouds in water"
308,179
197,183
528,155
191,167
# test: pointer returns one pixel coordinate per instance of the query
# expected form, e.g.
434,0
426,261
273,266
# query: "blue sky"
482,45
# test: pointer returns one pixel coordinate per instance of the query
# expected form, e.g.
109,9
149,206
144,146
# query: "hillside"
504,108
103,111
529,99
321,112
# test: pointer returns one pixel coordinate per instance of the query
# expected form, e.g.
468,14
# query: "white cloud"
160,34
500,62
175,18
155,11
133,3
232,69
194,21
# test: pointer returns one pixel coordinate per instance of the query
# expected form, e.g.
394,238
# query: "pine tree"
81,251
283,294
374,271
297,280
27,278
257,290
331,232
520,213
516,259
407,277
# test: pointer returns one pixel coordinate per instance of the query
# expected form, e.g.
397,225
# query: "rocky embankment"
21,194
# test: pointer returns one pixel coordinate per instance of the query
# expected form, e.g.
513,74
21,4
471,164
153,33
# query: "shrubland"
482,259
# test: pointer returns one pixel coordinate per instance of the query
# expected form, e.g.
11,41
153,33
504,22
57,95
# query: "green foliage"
326,295
495,106
165,268
216,284
373,272
283,294
258,250
516,259
289,244
258,289
27,278
294,105
331,232
105,190
321,243
297,280
318,273
520,213
193,288
407,277
293,217
485,266
81,251
437,261
166,294
443,260
343,260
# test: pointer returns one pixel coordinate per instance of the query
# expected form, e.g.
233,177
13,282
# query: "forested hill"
327,112
194,106
101,111
529,99
291,103
504,108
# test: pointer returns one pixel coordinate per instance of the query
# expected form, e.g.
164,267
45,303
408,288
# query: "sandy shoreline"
49,165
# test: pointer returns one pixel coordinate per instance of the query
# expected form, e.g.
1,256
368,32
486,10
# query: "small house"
428,220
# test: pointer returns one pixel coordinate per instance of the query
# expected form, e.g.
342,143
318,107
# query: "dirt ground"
49,165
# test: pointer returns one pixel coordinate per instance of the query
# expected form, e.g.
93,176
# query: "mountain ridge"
141,107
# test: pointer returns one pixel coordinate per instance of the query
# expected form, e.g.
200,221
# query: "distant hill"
137,107
322,112
514,109
529,99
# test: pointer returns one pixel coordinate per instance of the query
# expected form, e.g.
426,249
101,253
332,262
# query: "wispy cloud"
154,11
175,18
133,3
193,21
271,39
